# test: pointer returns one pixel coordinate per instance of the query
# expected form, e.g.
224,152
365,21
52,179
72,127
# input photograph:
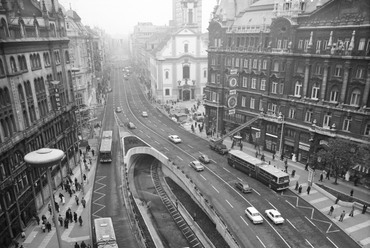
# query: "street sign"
233,71
258,135
232,92
231,111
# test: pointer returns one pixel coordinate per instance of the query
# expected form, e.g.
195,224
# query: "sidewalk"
357,227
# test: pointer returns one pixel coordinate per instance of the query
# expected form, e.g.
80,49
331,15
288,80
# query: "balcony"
327,131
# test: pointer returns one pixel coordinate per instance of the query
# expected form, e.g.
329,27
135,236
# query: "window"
291,113
236,62
261,105
245,82
300,44
274,87
355,98
334,93
305,45
264,64
218,79
338,71
254,83
245,63
263,84
271,108
281,88
327,119
13,65
186,48
166,74
167,92
325,46
300,68
255,62
347,123
278,44
308,116
318,45
244,99
318,69
252,103
213,78
213,61
367,130
276,66
285,44
205,73
185,72
297,89
315,91
360,72
67,56
361,44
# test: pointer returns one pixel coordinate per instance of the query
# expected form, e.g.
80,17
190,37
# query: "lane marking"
156,142
256,192
226,170
229,203
239,179
332,242
162,130
260,241
179,158
190,146
244,220
213,161
272,205
215,189
309,243
166,148
290,204
292,224
310,221
203,177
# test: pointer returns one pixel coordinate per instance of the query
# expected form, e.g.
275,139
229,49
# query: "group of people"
69,218
82,245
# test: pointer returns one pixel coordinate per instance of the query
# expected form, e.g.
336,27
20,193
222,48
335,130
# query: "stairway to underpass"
175,214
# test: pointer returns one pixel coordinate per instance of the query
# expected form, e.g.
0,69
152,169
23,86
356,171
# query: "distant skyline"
119,17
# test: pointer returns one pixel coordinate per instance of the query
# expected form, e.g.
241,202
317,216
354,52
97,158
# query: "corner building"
36,107
302,66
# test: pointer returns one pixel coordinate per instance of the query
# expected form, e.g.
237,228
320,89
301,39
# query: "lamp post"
281,118
79,125
46,157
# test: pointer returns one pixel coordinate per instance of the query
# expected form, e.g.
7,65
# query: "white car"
275,216
144,114
198,166
175,139
204,158
254,215
118,110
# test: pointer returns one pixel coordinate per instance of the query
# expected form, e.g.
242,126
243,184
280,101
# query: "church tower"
187,13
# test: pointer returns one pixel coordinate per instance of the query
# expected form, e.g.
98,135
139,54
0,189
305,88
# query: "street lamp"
79,125
46,157
281,118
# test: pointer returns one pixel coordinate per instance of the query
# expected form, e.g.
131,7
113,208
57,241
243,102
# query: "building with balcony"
36,107
302,66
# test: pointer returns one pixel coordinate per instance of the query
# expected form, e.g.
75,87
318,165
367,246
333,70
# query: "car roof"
252,209
273,211
195,162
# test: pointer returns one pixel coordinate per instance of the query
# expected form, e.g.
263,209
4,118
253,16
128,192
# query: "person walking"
308,189
321,177
352,210
263,157
60,219
63,200
351,193
84,177
80,220
83,245
77,245
37,219
364,208
241,146
43,227
296,186
76,199
75,217
83,201
49,208
60,196
92,152
342,216
328,175
306,167
331,210
300,189
66,223
48,226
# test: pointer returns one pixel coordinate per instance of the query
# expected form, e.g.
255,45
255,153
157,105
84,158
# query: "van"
198,116
243,187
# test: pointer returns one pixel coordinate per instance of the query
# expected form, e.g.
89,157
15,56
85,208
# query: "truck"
218,146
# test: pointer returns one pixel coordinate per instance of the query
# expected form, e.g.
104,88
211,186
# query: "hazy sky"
120,16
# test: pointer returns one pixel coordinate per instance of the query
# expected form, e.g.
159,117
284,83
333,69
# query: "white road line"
226,170
213,161
292,224
203,177
332,242
179,158
290,204
215,189
256,192
229,203
272,205
148,136
244,220
261,241
162,130
190,146
141,131
166,148
156,142
239,179
310,221
309,243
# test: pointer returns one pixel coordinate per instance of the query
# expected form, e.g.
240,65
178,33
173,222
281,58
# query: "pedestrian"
49,208
84,177
364,208
43,227
351,193
60,196
63,200
342,216
37,219
77,245
92,152
352,210
48,226
331,210
43,217
337,200
300,189
57,207
76,199
177,203
321,177
256,154
308,189
328,175
286,169
60,219
83,245
80,152
80,220
296,186
75,217
306,167
66,223
90,161
241,146
23,234
70,192
83,201
263,157
281,157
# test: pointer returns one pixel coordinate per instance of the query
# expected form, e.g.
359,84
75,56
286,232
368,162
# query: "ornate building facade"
37,107
302,66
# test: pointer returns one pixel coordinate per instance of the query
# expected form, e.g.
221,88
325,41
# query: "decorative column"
306,75
345,82
365,97
324,79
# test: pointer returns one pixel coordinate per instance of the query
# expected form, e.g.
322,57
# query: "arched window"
2,97
186,48
67,56
20,62
2,71
24,61
205,73
20,92
3,29
167,74
185,72
38,61
355,97
22,29
7,96
13,65
315,91
297,89
32,61
334,93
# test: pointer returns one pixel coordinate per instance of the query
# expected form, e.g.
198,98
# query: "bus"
105,151
268,174
104,233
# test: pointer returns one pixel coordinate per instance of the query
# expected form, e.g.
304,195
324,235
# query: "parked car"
275,216
204,158
196,165
243,187
144,114
254,215
118,110
175,139
217,146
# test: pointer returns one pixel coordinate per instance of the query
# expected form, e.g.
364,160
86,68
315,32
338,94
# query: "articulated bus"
104,233
267,174
105,151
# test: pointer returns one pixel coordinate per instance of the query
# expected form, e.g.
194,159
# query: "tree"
340,155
